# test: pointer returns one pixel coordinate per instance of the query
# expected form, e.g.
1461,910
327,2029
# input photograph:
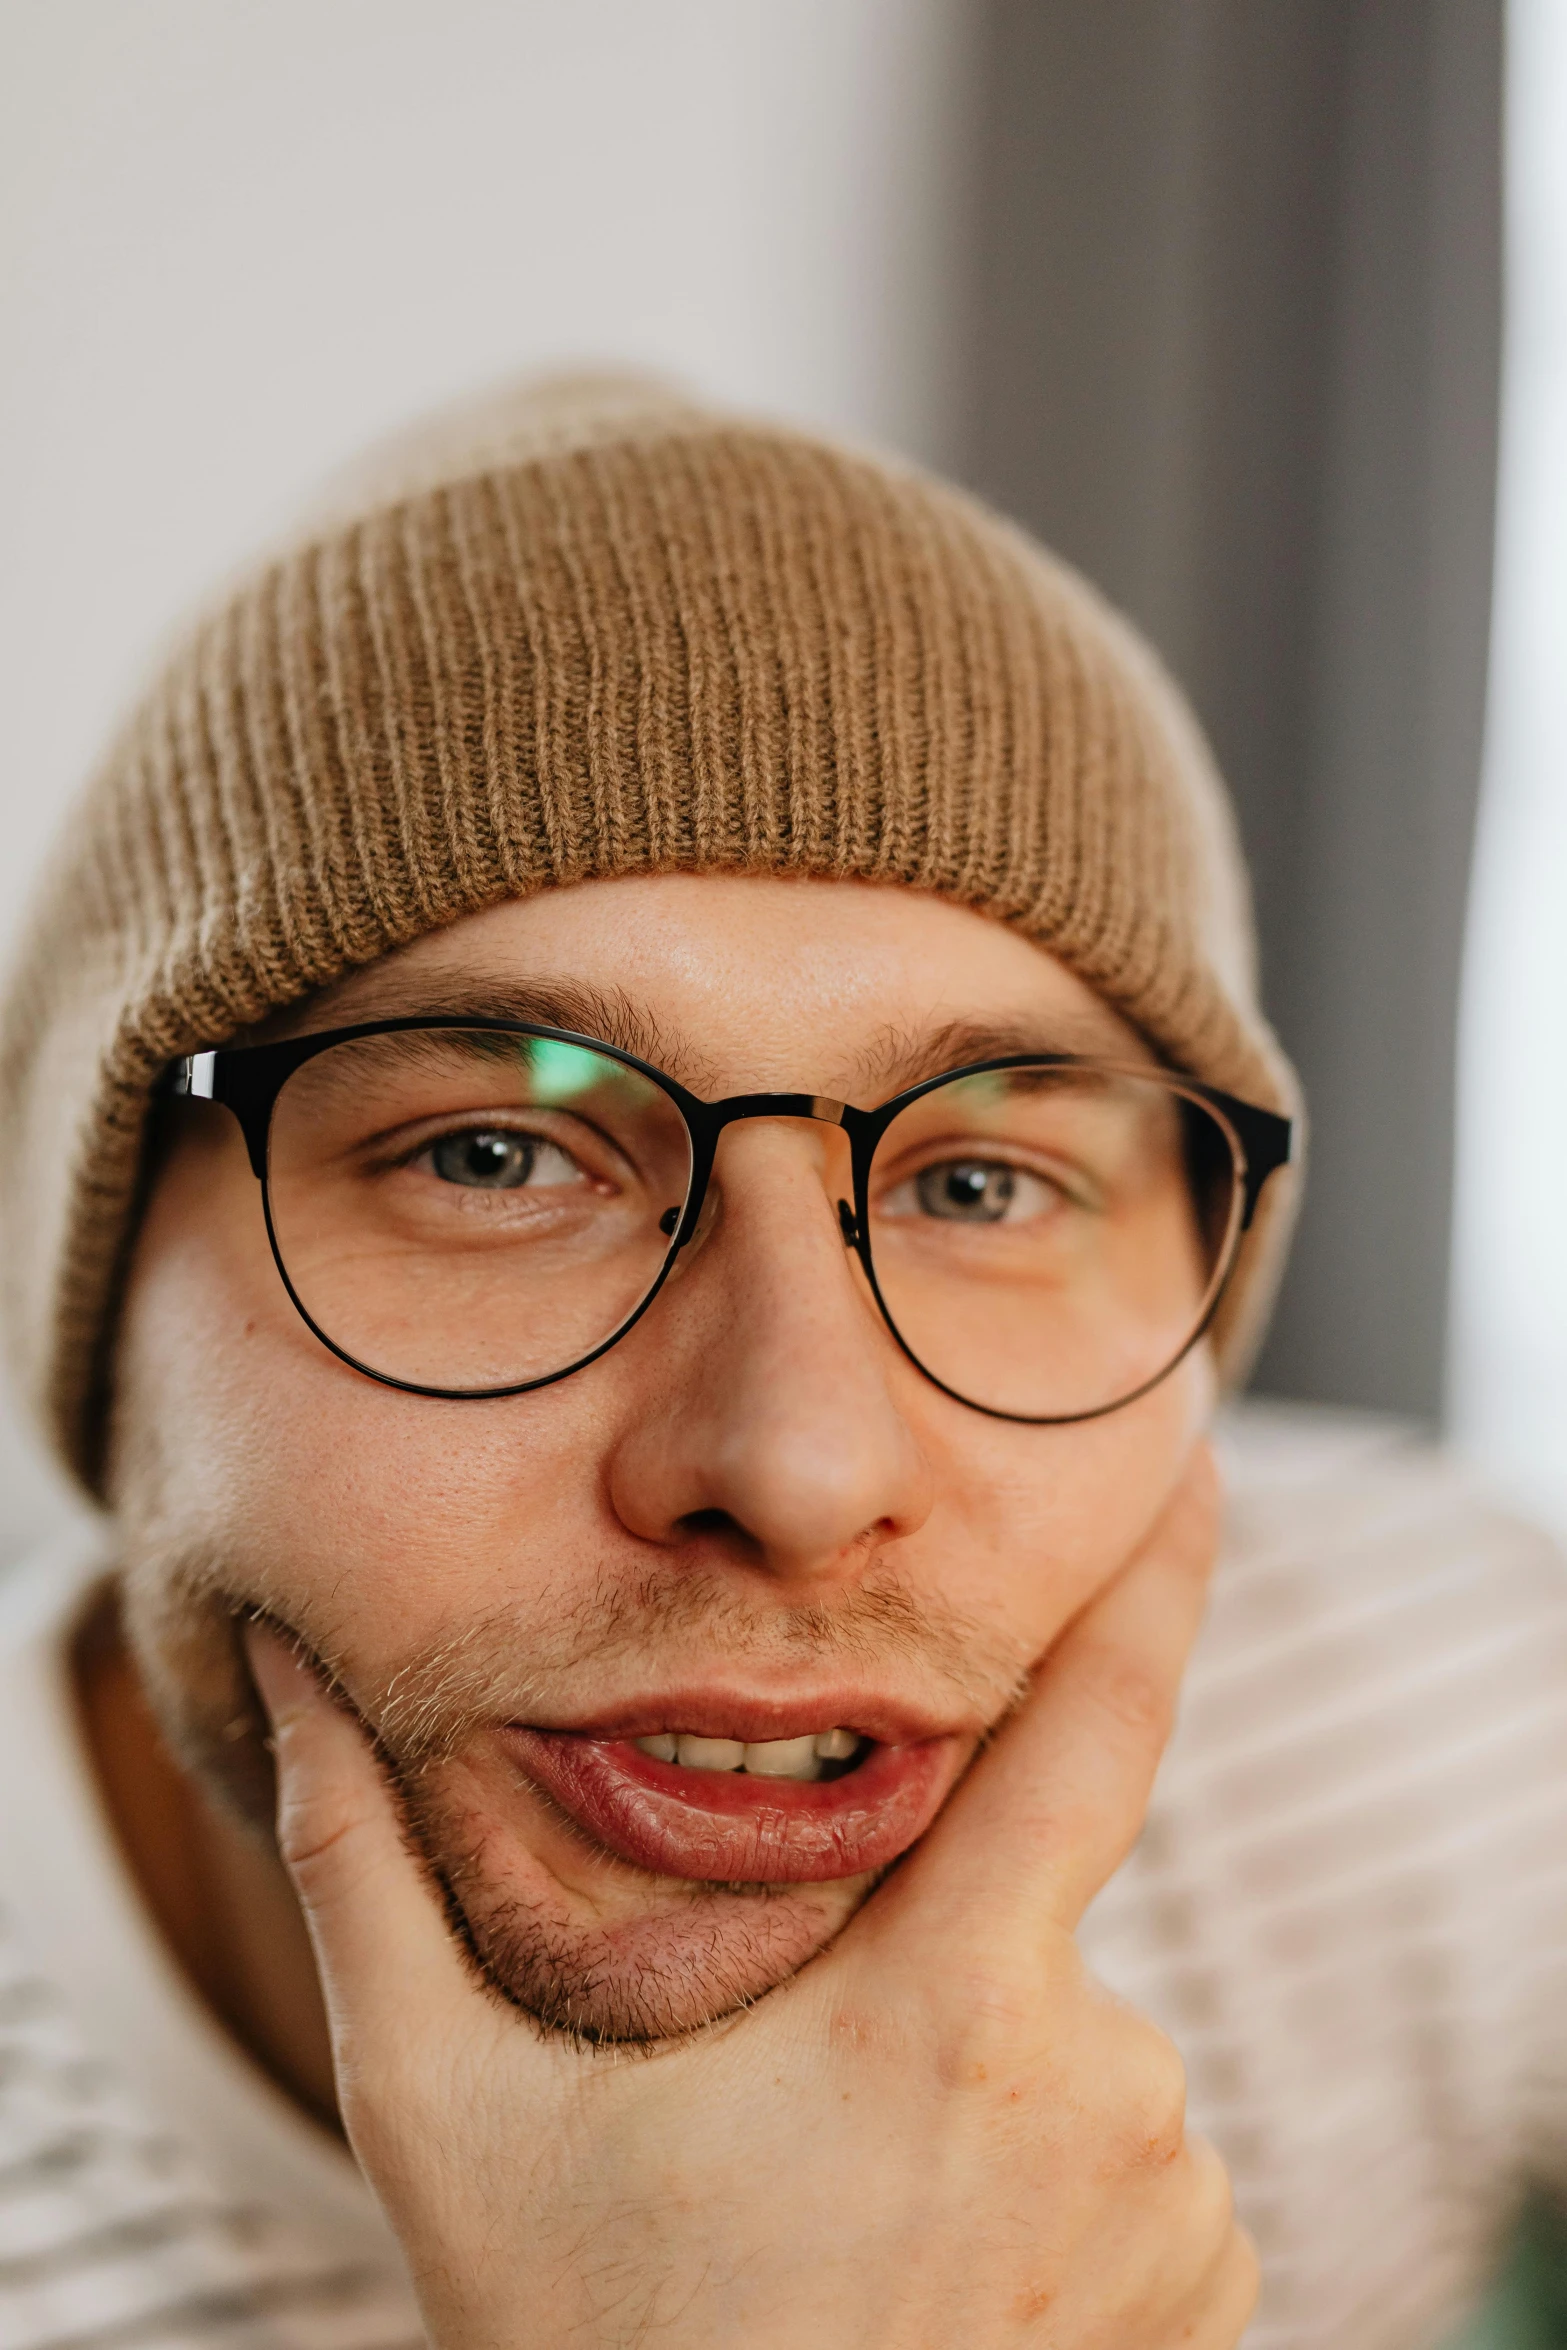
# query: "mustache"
502,1666
527,1658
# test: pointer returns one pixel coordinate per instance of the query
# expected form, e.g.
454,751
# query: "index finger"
1048,1813
380,1937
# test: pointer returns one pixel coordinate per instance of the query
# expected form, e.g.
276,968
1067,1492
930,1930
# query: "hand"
941,2133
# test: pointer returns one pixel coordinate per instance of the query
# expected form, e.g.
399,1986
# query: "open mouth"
820,1754
815,1805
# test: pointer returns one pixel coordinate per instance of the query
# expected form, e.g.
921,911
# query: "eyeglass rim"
247,1080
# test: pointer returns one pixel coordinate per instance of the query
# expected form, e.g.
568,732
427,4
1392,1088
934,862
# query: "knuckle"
314,1825
1217,2253
1147,2112
1003,2022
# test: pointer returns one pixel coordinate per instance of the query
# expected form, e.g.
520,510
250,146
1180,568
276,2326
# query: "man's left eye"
971,1191
492,1159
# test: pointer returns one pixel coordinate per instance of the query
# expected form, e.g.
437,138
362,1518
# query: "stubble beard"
675,1955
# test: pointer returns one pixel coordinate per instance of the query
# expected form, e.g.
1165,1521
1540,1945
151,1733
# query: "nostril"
720,1526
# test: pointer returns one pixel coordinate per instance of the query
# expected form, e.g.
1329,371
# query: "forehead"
737,981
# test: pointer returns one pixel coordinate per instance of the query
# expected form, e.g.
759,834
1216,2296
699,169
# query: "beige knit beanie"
586,629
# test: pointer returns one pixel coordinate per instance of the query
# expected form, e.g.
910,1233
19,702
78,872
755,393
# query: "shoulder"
1375,1721
1349,1903
1365,1565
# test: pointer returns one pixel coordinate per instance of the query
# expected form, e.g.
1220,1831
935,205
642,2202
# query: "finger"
1233,2298
1223,2302
381,1939
1051,1810
1182,2251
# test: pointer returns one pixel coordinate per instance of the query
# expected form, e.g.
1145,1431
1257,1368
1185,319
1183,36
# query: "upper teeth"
767,1758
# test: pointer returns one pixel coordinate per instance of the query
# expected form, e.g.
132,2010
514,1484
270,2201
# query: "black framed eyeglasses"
473,1208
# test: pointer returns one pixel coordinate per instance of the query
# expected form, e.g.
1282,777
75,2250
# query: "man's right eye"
490,1158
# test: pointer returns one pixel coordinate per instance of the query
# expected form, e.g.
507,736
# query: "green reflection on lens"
559,1072
988,1090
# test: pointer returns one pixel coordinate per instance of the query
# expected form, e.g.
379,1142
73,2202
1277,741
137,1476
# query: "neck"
220,1897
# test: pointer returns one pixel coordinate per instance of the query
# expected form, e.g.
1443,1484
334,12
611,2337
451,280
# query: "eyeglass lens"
467,1210
1047,1241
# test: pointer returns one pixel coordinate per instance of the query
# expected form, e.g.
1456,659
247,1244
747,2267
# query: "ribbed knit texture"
591,633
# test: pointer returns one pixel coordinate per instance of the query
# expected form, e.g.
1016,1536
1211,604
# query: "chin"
591,1945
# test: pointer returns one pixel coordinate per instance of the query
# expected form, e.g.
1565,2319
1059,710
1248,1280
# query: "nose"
773,1429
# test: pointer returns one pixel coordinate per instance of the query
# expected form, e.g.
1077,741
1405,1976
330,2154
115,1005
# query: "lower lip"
727,1827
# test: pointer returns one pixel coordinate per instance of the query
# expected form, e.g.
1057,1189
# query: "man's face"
753,1520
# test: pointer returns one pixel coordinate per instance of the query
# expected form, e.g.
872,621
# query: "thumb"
1051,1811
381,1939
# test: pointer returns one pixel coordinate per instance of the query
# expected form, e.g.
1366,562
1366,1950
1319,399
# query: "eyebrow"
894,1059
900,1058
605,1015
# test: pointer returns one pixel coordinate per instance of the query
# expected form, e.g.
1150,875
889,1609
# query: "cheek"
355,1512
1048,1515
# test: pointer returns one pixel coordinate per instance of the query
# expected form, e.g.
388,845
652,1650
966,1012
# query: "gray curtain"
1234,350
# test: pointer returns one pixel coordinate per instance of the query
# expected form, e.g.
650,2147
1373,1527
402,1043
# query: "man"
636,1126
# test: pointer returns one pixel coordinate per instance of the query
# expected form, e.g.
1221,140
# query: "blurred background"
1257,312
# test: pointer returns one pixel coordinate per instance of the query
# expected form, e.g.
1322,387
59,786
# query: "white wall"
240,237
1509,1345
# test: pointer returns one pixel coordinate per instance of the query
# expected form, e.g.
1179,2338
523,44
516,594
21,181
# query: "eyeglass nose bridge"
740,1106
707,1121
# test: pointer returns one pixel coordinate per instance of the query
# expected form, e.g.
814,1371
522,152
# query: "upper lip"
714,1713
